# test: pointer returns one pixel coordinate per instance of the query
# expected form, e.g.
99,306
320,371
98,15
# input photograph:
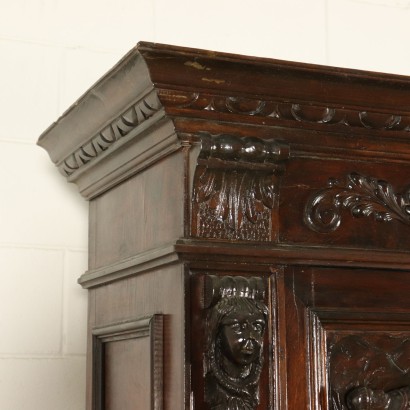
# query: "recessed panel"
347,338
126,367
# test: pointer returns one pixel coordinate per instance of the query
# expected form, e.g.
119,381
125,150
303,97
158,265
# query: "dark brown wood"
255,205
356,323
236,321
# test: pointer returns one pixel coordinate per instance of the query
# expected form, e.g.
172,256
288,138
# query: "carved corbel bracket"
236,322
362,196
236,186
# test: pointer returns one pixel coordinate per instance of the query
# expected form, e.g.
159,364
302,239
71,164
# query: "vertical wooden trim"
98,374
157,361
187,190
317,361
278,370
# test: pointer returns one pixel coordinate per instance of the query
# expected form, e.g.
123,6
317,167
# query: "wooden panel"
375,360
346,329
306,179
157,291
127,383
128,365
142,213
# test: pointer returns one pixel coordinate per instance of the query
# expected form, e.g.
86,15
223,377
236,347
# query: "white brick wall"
51,52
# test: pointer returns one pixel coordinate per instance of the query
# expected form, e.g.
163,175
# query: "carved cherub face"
241,335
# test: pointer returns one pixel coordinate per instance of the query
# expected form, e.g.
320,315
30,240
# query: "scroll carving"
370,372
362,196
236,323
236,186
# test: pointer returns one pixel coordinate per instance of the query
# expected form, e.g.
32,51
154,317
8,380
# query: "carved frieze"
370,371
362,196
116,130
236,186
236,322
292,111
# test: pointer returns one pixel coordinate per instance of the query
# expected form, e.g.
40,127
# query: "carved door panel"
347,338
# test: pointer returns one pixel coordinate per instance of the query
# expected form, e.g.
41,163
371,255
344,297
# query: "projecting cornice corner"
104,137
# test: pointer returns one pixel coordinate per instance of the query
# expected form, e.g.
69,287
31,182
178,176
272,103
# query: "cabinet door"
346,338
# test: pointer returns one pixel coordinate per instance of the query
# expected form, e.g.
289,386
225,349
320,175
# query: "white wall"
51,51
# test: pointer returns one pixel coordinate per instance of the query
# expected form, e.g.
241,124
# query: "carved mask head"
238,325
241,332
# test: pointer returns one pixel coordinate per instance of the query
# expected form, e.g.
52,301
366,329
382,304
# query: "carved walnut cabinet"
249,231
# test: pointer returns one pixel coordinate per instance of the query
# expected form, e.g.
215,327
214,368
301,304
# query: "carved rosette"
236,322
236,186
362,196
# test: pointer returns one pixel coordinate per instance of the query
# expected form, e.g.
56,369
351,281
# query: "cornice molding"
129,120
98,141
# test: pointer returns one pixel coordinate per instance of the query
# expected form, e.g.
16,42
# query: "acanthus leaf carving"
236,186
363,196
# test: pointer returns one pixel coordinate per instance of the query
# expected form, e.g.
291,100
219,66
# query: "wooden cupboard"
249,233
